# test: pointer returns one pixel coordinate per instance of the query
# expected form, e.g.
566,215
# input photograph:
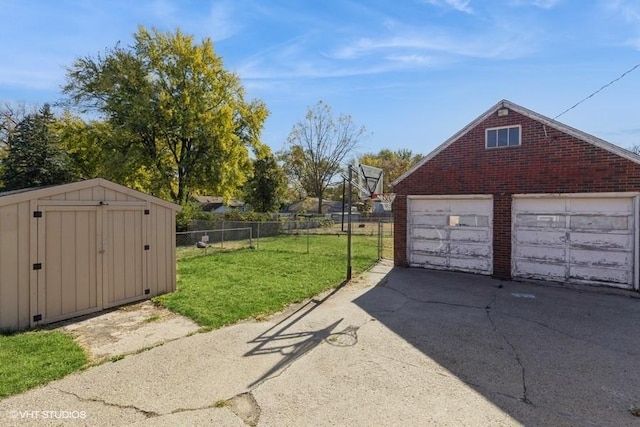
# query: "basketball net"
386,200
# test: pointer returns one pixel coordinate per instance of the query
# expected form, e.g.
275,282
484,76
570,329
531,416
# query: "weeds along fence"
207,237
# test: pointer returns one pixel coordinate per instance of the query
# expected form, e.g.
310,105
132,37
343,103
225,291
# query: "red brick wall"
554,162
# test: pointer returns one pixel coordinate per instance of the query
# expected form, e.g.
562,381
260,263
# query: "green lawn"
227,286
30,359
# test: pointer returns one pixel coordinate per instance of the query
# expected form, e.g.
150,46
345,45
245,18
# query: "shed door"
125,255
451,233
574,239
68,281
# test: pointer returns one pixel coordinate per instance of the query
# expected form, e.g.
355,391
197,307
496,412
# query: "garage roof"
532,115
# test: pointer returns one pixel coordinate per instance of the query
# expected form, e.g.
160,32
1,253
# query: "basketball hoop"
386,200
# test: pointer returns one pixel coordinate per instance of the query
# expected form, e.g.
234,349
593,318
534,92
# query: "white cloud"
223,25
497,44
628,10
459,5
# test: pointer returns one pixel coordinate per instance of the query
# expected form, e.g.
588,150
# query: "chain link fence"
206,237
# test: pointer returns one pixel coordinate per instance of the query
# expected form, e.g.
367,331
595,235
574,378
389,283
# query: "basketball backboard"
370,181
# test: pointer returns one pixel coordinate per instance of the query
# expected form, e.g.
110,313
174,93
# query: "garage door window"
468,221
546,221
597,222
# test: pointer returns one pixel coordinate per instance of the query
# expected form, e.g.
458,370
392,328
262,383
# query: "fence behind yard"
207,237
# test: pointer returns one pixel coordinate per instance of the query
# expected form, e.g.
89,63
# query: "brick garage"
516,194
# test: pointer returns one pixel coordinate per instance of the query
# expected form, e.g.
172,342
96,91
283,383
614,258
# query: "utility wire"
599,90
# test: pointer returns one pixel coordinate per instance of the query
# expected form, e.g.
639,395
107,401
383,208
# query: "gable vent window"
503,137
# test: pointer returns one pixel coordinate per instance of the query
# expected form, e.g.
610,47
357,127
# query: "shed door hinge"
146,247
146,211
37,317
37,266
37,214
147,291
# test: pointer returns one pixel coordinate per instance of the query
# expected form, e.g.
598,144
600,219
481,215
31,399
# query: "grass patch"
30,359
152,319
226,287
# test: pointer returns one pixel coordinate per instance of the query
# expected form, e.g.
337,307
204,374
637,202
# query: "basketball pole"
350,198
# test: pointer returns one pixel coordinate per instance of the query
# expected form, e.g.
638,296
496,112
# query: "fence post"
379,240
258,237
308,227
222,236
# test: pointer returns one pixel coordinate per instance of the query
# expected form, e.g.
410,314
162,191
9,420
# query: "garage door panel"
431,233
430,220
431,246
451,233
469,264
602,241
463,235
604,205
471,206
545,271
422,259
469,250
541,237
546,205
541,253
619,260
599,275
433,206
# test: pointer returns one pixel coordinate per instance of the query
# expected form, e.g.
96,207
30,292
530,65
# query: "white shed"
79,248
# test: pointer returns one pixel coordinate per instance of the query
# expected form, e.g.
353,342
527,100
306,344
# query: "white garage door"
574,238
451,233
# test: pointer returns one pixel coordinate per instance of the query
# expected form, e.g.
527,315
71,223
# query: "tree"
318,145
178,114
33,156
266,188
94,151
10,116
635,148
393,163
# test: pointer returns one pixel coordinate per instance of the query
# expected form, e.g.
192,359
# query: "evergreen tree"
33,157
266,188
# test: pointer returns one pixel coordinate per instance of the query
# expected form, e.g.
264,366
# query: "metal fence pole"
258,237
222,236
350,196
379,240
308,228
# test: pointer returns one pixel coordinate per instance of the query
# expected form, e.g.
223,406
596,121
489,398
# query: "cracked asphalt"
395,347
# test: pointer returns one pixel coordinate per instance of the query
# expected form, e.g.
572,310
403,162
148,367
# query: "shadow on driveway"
546,355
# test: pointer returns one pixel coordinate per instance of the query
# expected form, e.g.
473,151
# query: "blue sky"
413,72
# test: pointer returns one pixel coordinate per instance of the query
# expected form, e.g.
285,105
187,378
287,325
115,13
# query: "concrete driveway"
396,347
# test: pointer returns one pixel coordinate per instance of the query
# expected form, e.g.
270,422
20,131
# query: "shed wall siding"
74,257
14,266
548,161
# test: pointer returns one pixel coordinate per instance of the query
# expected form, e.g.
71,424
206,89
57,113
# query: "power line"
599,90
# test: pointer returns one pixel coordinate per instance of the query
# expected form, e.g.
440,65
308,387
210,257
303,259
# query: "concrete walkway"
396,347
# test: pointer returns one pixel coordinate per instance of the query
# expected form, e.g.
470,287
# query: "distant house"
310,205
217,204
